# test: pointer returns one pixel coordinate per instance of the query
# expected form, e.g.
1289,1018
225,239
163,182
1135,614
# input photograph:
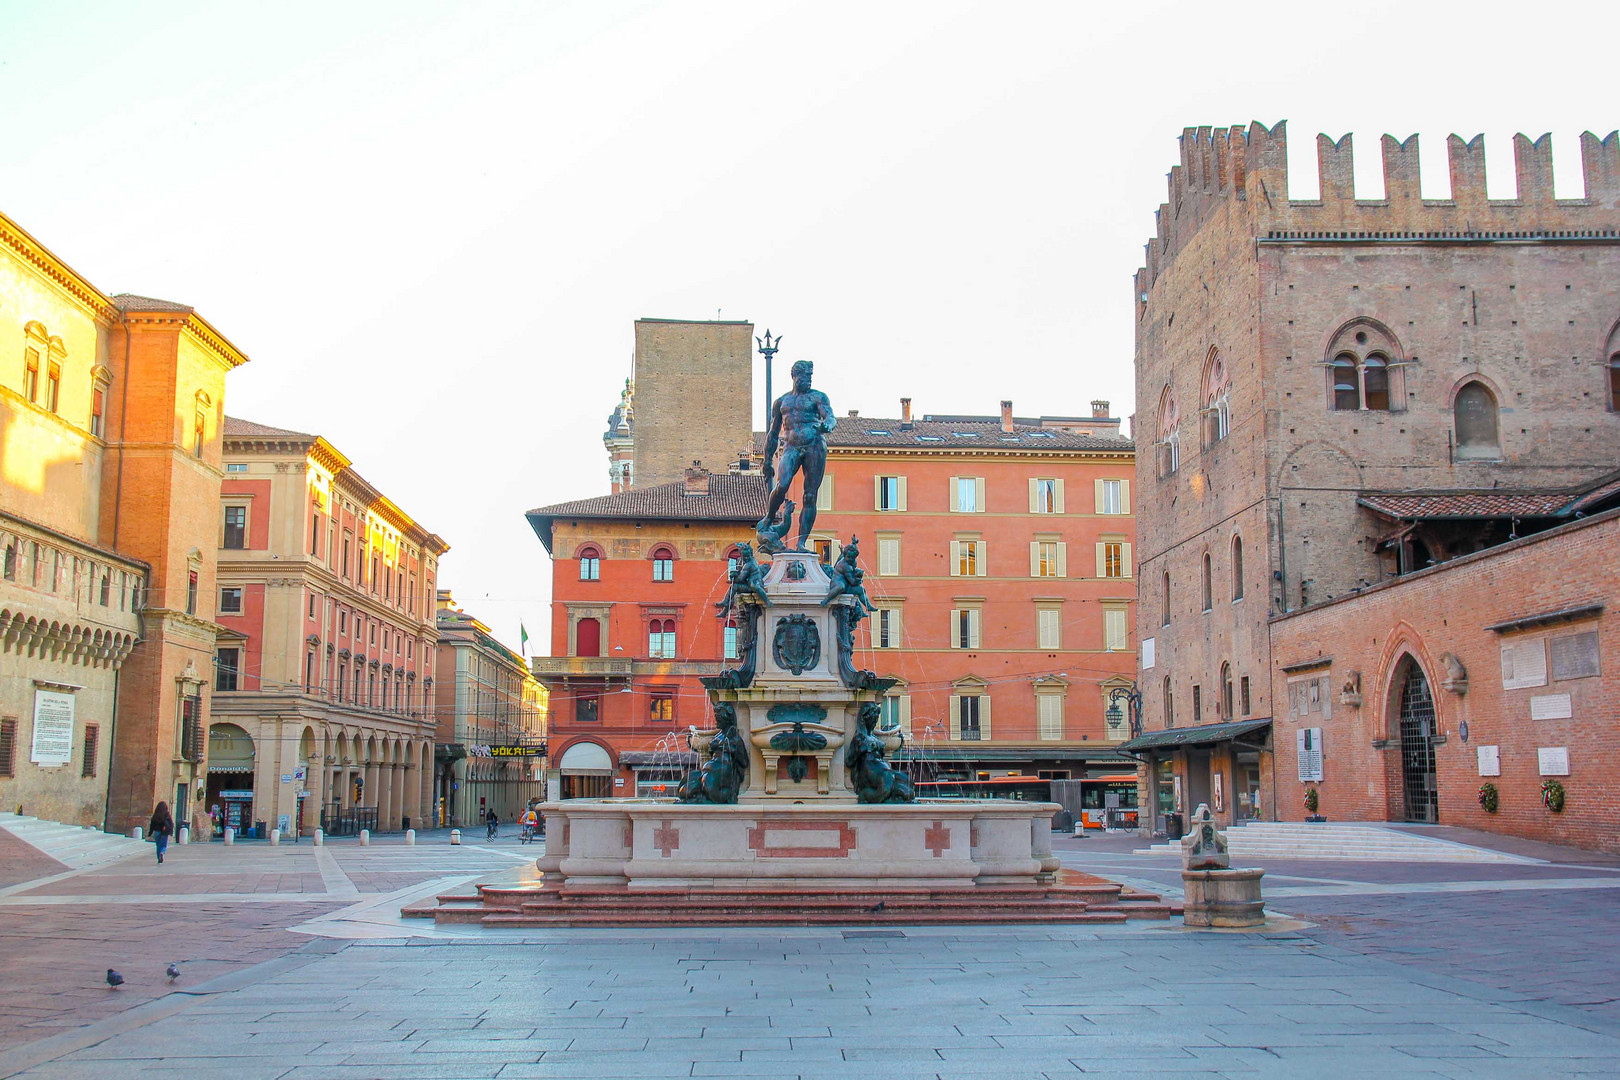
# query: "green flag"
523,636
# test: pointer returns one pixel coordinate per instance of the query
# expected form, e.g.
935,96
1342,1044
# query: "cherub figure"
874,779
748,579
846,578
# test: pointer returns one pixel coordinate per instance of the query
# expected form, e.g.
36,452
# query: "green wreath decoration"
1489,797
1312,799
1552,795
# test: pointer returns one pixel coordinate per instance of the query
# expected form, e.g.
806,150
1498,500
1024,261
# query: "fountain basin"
662,844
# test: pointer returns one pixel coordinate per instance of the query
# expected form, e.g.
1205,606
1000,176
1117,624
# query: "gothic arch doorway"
1417,728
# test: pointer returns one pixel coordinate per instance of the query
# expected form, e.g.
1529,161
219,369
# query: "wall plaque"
1553,760
53,728
1490,760
1550,707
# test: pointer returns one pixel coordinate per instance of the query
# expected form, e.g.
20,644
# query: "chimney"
1006,416
697,479
854,414
1099,409
905,412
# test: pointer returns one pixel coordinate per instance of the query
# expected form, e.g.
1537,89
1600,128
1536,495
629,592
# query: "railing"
338,820
597,666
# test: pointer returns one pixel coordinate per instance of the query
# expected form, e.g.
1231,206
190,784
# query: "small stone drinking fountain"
1217,895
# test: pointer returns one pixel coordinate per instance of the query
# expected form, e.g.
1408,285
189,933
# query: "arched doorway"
230,778
1417,729
587,772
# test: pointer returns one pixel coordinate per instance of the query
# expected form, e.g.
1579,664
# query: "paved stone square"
1424,970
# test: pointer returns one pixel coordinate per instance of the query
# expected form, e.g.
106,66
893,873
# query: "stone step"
1371,843
73,846
1035,914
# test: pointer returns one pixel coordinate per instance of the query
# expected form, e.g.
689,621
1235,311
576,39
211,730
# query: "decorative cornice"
55,270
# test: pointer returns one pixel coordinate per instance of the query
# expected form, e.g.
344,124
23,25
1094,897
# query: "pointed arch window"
1216,414
1611,370
1169,435
1365,367
1237,568
1478,433
1209,591
1166,621
1169,704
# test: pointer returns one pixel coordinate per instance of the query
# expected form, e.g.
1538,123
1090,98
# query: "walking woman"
161,828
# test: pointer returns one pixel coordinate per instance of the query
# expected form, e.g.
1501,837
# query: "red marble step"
790,918
660,897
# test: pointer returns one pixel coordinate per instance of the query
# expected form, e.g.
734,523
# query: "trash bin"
1173,828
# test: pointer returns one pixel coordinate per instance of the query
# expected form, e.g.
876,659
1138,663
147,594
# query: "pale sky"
432,225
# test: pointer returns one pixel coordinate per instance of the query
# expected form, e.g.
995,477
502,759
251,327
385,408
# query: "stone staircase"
1077,898
1370,842
74,846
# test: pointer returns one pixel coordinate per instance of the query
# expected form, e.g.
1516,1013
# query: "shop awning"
1202,735
990,753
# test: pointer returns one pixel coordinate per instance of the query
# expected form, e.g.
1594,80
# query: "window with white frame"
967,494
969,717
1113,559
886,628
968,558
888,556
1048,627
1048,557
1045,495
1048,715
1111,496
230,600
1114,633
965,626
891,492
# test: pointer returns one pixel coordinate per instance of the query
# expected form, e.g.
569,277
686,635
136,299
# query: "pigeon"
114,979
881,905
172,971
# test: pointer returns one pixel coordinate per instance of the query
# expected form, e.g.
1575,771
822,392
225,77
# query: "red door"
588,638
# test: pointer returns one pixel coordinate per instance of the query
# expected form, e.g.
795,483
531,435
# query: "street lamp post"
767,348
1133,701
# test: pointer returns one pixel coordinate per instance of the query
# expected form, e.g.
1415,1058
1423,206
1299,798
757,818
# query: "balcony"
586,667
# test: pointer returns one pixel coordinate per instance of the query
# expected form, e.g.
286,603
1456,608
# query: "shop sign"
248,794
299,774
506,750
53,728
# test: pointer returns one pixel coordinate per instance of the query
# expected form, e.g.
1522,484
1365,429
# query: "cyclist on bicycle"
494,821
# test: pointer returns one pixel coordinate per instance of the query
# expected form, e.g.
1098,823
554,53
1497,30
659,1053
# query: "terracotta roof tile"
1492,503
861,431
131,302
236,427
739,498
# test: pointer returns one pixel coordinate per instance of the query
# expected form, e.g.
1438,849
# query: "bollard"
137,833
410,837
365,837
230,836
320,837
455,836
275,837
185,835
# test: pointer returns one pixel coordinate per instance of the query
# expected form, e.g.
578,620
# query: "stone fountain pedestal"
797,822
1216,895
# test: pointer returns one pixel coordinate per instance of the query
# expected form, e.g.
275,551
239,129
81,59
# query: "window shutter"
1049,717
1124,496
1057,496
984,716
889,556
956,717
978,493
955,636
1097,497
981,561
877,492
905,711
974,619
895,630
1034,489
1102,561
956,502
956,558
902,505
1063,559
1125,561
1034,558
1048,629
824,497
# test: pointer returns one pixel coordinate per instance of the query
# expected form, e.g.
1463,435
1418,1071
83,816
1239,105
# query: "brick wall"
1447,609
694,393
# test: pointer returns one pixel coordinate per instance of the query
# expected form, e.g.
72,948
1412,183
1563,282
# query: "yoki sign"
494,750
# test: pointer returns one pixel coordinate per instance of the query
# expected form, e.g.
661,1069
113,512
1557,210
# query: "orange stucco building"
998,552
110,470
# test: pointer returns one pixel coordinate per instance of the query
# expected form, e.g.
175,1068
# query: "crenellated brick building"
1307,372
